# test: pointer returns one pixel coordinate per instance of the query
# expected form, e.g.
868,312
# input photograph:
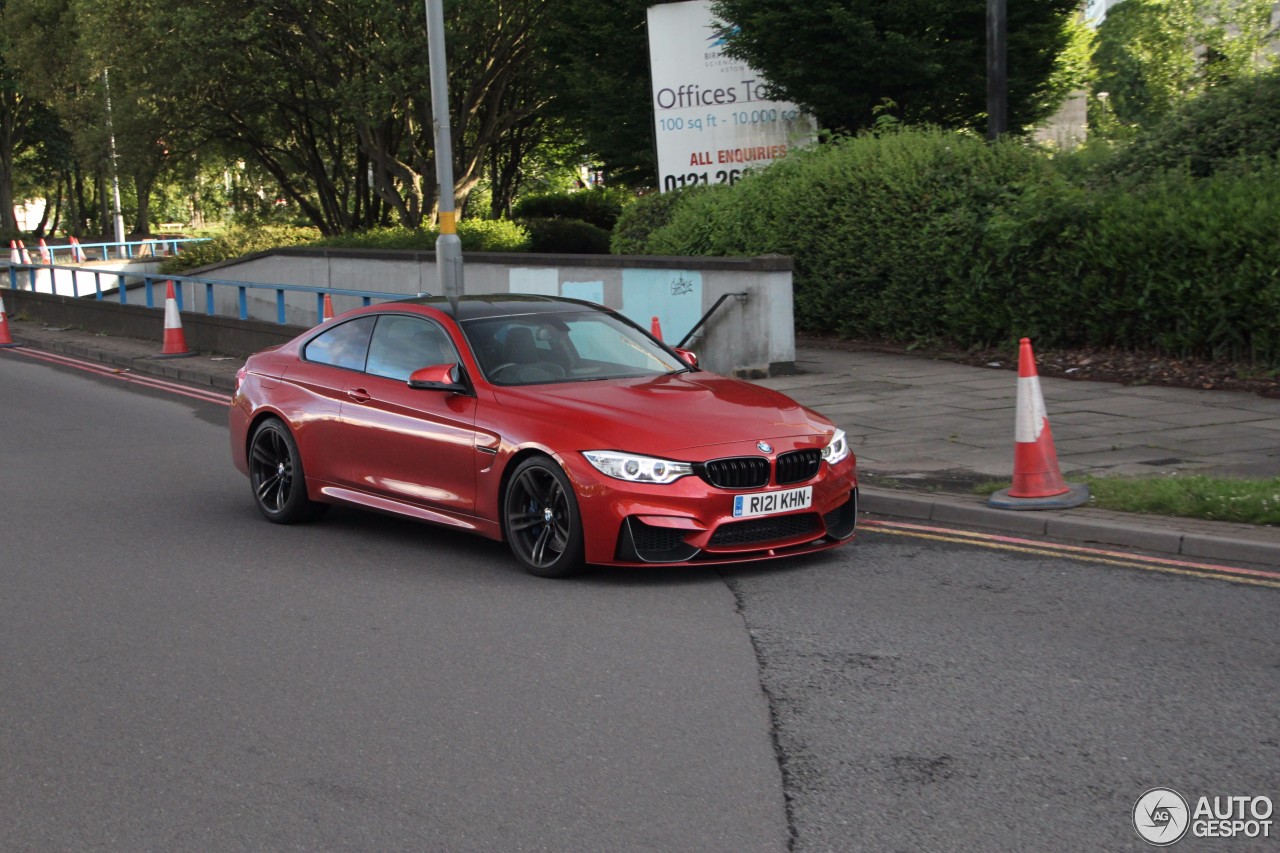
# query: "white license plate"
770,503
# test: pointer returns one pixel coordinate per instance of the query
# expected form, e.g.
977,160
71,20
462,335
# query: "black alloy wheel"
275,473
540,519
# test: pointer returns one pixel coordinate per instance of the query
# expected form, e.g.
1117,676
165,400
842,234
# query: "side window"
403,344
342,346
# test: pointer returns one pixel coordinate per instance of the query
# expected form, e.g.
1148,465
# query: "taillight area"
240,375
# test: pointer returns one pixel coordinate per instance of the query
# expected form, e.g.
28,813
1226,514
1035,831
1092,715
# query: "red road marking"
1164,564
124,375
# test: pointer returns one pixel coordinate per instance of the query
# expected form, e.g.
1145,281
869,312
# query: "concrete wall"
84,279
225,335
750,336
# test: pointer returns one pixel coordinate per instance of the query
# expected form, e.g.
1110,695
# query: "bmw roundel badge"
764,447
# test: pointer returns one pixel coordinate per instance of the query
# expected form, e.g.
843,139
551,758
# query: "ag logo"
1161,816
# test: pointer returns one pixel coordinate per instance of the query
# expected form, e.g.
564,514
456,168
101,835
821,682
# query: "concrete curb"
198,369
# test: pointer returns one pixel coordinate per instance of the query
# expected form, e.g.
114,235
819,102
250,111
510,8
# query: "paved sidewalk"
925,431
915,417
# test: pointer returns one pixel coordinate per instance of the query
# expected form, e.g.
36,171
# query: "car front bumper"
691,522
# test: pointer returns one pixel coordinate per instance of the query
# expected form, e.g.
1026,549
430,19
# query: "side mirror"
438,377
690,357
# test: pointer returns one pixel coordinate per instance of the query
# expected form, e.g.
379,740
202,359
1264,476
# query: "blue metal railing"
157,247
150,280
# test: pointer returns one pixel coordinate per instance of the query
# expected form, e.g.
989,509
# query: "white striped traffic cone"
15,257
1037,478
45,257
175,341
77,254
26,256
327,313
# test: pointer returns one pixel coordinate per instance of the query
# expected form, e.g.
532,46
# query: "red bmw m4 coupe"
555,425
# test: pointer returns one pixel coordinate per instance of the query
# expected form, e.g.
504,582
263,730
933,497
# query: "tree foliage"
36,151
602,85
1155,55
843,58
1235,126
333,99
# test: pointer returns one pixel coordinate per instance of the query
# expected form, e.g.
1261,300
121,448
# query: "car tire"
541,521
276,476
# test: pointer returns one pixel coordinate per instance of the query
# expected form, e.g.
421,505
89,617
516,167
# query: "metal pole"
997,69
448,246
115,176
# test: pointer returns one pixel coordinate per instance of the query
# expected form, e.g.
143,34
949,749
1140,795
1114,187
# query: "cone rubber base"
1075,495
5,346
173,355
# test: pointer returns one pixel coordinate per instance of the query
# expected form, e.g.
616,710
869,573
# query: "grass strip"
1186,496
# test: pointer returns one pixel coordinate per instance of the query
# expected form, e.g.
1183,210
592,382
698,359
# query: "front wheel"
540,519
275,473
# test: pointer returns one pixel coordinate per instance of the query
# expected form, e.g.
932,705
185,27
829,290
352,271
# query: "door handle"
359,395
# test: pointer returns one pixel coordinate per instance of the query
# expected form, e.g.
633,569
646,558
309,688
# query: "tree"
1153,56
602,85
35,148
333,99
1232,126
11,108
62,59
843,58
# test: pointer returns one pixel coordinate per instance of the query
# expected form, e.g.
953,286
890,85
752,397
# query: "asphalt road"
935,697
177,674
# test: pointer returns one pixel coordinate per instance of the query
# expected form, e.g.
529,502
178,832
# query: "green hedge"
477,235
1184,266
235,243
599,206
1232,126
640,219
878,226
566,236
921,235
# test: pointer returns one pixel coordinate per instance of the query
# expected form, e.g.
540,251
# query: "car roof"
487,305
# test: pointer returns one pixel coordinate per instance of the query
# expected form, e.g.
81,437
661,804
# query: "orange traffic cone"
44,253
655,328
22,250
327,313
1037,479
6,340
175,341
14,256
77,254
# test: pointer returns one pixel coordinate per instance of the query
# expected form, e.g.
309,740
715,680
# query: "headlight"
837,450
637,469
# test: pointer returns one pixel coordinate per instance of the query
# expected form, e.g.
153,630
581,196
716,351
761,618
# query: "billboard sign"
710,119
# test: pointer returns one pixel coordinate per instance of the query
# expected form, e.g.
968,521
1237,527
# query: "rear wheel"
540,519
275,473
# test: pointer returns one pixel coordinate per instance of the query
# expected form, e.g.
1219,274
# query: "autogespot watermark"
1162,817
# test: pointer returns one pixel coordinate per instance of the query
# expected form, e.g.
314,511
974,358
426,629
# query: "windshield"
532,349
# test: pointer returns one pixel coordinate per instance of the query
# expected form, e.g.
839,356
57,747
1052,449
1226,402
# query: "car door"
413,445
312,390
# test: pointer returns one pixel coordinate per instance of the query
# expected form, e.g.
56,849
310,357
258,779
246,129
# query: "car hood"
664,414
